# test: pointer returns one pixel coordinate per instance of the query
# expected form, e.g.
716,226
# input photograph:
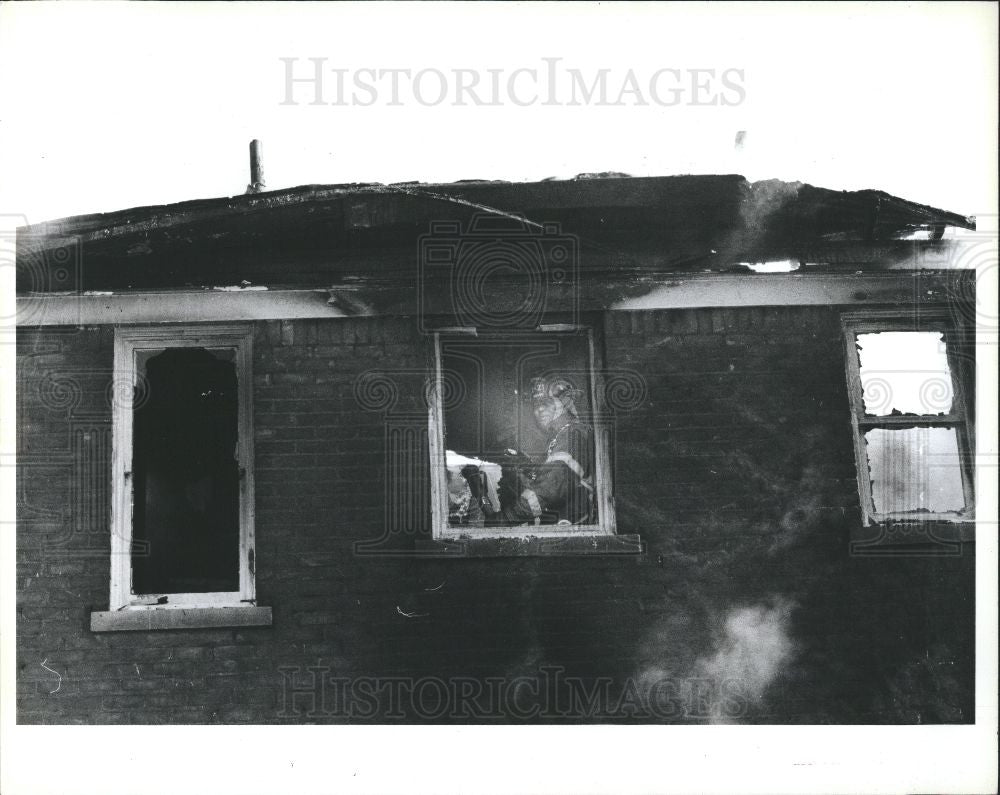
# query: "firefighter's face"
548,411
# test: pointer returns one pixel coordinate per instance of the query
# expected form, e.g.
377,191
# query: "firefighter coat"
560,488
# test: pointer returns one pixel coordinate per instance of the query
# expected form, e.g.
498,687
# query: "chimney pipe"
256,167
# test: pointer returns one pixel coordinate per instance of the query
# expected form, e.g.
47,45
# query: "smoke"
765,199
754,647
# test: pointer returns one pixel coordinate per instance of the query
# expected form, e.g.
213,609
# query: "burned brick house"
242,423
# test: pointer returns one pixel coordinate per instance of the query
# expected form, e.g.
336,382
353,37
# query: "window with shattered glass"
912,430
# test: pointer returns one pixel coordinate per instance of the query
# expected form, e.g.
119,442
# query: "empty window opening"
905,372
186,500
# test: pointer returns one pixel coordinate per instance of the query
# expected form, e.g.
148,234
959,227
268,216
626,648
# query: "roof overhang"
316,235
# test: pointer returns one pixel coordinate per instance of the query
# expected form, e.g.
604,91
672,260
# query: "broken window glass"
905,372
518,430
185,473
915,470
913,440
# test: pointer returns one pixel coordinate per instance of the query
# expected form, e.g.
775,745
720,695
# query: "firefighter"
560,488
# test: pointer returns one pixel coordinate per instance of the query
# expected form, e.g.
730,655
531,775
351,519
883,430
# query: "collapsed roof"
314,234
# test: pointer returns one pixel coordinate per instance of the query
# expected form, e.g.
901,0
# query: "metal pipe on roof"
256,167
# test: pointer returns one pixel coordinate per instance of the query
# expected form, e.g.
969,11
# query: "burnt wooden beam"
436,299
326,258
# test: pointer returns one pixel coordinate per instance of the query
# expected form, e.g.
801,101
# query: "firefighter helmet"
557,388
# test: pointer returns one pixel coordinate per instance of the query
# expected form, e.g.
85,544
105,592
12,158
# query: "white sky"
108,106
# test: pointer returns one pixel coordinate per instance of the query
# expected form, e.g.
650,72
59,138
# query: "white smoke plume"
753,648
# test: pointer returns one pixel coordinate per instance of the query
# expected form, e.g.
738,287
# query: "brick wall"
737,471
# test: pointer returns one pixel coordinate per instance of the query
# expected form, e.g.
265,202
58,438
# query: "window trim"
915,320
129,340
440,529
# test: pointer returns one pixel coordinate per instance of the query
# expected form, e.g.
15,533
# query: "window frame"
128,341
918,320
604,495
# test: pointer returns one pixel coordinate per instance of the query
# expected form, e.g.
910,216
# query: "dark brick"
737,472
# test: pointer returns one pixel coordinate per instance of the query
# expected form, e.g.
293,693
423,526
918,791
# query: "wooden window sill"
534,546
929,538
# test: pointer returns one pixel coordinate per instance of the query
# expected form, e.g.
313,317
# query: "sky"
107,106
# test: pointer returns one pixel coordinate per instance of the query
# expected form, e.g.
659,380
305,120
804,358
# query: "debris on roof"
307,234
